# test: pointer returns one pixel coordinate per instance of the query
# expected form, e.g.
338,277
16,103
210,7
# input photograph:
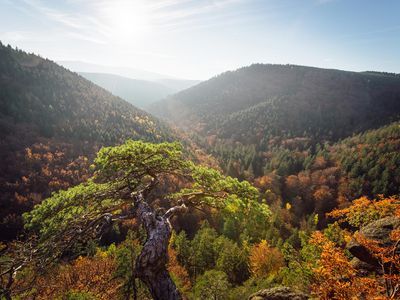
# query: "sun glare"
127,19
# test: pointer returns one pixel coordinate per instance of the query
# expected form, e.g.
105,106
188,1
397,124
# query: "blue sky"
197,39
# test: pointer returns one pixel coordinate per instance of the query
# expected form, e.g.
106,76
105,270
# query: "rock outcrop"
379,231
278,293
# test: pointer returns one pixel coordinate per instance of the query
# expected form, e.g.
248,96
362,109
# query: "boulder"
379,231
278,293
363,268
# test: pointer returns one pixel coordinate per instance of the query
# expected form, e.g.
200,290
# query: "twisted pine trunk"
151,262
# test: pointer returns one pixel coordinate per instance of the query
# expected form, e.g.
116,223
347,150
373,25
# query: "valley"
258,180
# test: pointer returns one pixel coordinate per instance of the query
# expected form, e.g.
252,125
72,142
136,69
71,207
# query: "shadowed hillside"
52,122
263,101
256,118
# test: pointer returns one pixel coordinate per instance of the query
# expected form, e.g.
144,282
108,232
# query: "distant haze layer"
138,87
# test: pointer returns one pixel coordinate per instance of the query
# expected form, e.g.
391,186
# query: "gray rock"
278,293
379,231
363,268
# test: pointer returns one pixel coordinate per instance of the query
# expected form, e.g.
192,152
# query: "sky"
198,39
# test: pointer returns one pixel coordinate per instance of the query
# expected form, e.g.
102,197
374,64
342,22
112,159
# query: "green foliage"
126,255
208,250
203,254
371,161
299,270
123,170
117,168
251,286
335,234
65,208
212,285
135,159
238,200
232,260
182,246
230,229
75,295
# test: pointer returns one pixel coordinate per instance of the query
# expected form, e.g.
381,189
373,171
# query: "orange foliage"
363,211
40,170
336,278
269,184
319,163
388,258
86,274
178,272
265,260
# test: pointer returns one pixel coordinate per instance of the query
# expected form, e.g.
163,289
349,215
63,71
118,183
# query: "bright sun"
126,19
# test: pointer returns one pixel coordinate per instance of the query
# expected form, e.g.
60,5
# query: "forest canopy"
126,181
285,180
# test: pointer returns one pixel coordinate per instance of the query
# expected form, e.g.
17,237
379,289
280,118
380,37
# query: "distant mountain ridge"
140,93
140,88
178,84
80,66
275,119
270,100
310,139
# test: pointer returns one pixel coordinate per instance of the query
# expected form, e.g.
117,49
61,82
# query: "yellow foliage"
86,274
363,210
265,260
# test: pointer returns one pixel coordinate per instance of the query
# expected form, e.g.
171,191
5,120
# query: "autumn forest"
266,182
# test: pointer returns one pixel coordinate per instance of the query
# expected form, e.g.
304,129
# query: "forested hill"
262,101
52,121
318,180
275,125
